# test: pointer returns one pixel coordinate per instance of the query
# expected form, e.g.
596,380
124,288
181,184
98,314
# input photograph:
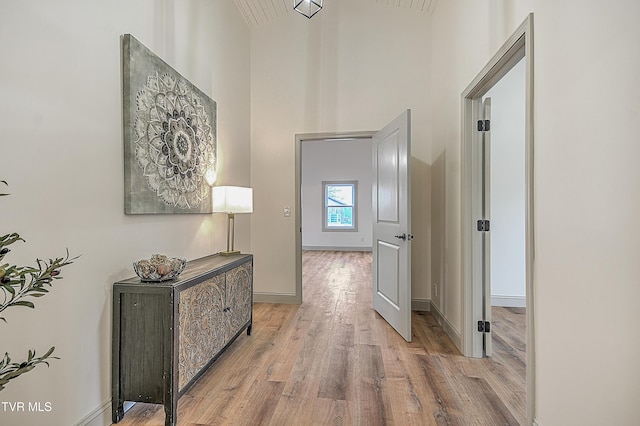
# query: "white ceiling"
258,12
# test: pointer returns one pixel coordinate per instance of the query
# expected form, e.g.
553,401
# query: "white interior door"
392,224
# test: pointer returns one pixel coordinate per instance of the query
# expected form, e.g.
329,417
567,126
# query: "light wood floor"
335,361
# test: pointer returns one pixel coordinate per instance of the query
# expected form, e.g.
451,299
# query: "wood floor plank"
430,335
334,361
337,378
259,405
331,412
408,400
490,410
371,404
445,387
278,363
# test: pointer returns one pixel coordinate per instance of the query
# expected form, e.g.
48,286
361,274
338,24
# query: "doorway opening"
323,145
505,207
476,201
390,222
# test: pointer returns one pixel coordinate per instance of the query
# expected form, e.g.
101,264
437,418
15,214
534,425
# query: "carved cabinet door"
202,334
239,295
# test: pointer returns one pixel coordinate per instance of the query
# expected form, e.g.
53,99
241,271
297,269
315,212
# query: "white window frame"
325,207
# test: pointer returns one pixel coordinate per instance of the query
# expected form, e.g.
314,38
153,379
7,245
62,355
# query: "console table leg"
117,411
171,413
249,329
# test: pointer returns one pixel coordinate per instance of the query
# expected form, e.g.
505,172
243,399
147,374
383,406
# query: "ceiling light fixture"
307,8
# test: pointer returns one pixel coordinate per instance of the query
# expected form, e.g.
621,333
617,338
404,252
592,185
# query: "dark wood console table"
165,335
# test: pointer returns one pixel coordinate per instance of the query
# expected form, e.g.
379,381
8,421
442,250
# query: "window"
339,211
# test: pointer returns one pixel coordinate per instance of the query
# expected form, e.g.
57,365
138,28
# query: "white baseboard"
335,248
509,301
287,298
453,334
101,416
421,305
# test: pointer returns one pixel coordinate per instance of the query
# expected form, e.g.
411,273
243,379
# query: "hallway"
334,361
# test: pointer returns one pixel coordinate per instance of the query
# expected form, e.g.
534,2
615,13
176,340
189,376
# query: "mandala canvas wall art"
169,136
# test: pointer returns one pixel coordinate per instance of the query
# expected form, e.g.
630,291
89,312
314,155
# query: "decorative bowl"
159,268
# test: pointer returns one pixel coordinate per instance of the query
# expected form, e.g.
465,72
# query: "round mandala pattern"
175,144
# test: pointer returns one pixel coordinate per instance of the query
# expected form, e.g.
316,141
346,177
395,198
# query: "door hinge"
484,125
484,326
483,225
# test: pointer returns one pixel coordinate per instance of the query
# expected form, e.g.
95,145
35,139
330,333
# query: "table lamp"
232,200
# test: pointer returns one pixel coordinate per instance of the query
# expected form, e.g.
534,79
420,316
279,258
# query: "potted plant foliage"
18,286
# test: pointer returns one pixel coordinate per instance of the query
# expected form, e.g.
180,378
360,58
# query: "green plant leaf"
49,352
9,288
10,370
24,303
9,239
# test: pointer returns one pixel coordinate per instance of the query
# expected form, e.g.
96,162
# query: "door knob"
404,237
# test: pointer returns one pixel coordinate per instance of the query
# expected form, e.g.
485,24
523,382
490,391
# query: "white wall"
62,150
586,116
341,160
347,69
507,193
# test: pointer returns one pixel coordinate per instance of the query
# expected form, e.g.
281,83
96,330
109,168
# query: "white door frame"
518,46
299,140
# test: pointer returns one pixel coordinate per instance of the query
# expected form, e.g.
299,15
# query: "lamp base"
229,253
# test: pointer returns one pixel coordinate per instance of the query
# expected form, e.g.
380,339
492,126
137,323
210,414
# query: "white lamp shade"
232,199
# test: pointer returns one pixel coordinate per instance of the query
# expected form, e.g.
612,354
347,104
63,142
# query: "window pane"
339,195
340,216
340,211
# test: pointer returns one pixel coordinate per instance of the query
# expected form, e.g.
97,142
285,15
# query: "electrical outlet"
287,211
435,289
